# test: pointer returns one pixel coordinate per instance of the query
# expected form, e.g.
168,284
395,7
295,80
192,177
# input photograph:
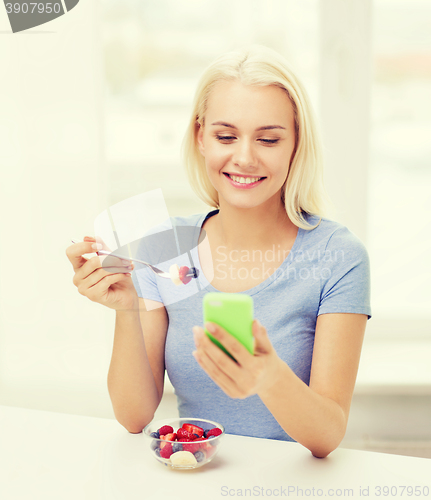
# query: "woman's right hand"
111,287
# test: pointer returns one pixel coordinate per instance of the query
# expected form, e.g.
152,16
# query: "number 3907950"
31,8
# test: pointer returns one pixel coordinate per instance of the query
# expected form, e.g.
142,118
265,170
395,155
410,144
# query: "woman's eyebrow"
265,127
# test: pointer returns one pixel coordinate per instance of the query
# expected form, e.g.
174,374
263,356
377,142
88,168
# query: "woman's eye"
224,137
270,141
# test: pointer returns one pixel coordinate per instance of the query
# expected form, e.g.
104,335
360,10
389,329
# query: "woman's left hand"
252,374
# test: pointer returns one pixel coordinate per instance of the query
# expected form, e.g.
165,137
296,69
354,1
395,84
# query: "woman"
252,152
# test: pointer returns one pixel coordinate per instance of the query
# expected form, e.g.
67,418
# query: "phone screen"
234,313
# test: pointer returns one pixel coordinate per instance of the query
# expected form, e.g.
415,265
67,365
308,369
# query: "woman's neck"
251,228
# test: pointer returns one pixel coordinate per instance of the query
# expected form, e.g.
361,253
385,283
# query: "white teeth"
244,180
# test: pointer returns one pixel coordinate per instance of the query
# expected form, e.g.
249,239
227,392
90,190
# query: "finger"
76,251
100,244
110,261
94,265
100,275
229,342
260,335
99,289
103,245
96,286
218,357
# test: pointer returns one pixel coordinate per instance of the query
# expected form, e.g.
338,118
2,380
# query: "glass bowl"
198,453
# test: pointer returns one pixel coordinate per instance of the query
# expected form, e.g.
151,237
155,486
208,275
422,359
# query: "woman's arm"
315,415
321,409
136,372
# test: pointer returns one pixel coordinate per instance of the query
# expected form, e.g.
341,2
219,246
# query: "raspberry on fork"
183,274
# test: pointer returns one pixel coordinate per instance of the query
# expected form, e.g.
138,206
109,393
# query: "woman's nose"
244,154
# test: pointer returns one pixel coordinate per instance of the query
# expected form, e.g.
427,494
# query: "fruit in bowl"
184,443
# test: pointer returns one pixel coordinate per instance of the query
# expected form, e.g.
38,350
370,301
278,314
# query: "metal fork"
193,272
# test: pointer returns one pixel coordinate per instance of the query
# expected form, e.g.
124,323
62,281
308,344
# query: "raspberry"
214,432
166,429
166,452
182,275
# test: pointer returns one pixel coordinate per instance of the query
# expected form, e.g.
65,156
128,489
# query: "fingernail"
210,327
96,246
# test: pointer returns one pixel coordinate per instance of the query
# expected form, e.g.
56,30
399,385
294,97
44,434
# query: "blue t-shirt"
326,271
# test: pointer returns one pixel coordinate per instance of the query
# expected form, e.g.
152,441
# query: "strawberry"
163,444
209,451
193,429
166,451
183,274
170,437
166,429
214,432
191,446
203,446
183,433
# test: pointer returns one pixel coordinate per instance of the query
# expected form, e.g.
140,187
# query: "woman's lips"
240,185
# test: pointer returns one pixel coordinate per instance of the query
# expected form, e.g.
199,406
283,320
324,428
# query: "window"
400,162
154,54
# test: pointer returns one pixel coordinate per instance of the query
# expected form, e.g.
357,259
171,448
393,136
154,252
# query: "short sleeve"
345,275
145,284
144,280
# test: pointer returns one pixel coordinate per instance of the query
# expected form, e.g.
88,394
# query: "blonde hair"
303,190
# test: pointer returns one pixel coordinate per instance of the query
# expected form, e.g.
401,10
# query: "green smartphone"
234,313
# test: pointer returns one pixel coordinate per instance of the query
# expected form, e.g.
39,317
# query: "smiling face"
249,132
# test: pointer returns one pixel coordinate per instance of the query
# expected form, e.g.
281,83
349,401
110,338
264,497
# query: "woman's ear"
199,137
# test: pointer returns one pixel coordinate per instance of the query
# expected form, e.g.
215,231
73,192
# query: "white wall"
55,344
345,79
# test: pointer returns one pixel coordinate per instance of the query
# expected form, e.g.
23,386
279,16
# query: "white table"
46,455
